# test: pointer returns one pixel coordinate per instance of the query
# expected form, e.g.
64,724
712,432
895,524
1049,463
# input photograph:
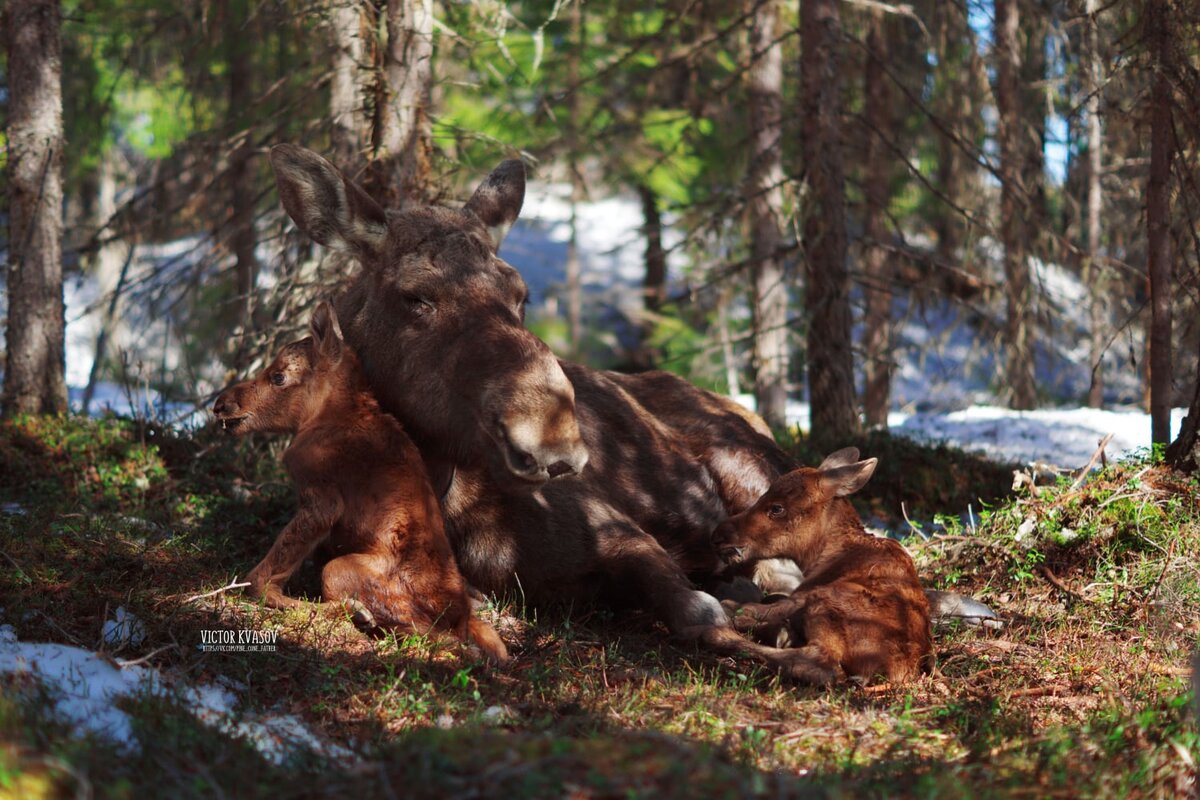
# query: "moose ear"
498,200
330,208
326,332
841,458
842,481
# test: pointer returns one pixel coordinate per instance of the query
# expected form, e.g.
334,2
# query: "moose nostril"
560,468
524,460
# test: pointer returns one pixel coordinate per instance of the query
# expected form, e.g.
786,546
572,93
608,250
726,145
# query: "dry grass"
1084,693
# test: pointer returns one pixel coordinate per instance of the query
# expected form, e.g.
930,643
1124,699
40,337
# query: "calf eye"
775,511
278,378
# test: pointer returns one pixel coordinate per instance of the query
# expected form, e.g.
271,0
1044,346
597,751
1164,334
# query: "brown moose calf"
364,494
860,611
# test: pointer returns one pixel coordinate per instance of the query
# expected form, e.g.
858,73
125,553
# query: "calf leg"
357,582
810,664
757,617
294,544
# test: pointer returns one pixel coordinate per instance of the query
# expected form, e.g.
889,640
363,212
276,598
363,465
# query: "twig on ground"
1166,565
1057,583
233,585
917,530
122,663
1096,456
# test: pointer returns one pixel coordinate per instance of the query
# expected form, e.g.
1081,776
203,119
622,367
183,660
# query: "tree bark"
764,202
877,332
35,374
403,143
1093,269
243,184
110,270
654,284
347,95
574,278
1158,221
830,357
1013,231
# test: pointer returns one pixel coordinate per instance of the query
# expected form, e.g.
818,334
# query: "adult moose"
554,477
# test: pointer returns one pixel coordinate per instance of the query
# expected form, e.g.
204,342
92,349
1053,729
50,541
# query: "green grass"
1084,693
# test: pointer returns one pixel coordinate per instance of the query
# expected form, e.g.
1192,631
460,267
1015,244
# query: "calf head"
295,386
797,513
437,319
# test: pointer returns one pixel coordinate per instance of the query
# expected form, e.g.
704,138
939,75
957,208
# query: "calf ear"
846,480
843,457
326,332
498,200
332,209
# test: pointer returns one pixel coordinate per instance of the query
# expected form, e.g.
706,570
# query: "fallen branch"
1096,456
223,589
134,662
1057,583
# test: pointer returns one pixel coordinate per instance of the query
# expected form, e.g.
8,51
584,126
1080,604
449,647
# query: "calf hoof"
360,615
778,575
946,608
784,638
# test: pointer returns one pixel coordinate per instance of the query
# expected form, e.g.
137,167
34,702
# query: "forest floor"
1084,692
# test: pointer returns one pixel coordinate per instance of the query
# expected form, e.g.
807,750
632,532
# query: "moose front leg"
631,556
295,542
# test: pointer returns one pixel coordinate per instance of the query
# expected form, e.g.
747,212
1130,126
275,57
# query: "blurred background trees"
830,197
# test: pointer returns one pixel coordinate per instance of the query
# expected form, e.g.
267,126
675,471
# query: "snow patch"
86,687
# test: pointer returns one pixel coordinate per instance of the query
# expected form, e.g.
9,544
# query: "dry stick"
1096,456
1166,565
134,662
1057,583
234,585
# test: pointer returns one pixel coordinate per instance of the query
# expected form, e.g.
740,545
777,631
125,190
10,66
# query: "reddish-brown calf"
364,494
860,610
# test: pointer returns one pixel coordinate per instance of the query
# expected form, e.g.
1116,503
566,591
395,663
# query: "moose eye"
775,511
419,307
277,378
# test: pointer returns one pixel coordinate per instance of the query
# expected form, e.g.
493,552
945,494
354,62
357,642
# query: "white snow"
1062,437
86,688
123,629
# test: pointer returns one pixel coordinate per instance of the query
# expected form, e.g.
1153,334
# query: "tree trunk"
1158,221
764,202
109,270
403,167
1094,270
955,70
347,98
654,285
830,357
1034,108
1013,231
34,379
728,359
877,333
574,285
243,184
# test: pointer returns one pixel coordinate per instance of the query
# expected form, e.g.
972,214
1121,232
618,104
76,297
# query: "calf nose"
225,405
